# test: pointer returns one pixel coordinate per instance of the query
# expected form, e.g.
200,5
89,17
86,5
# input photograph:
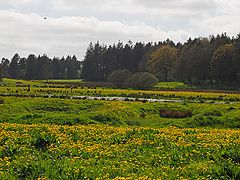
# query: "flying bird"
45,17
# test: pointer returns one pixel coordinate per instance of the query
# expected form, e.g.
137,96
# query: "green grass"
173,85
208,109
77,88
106,152
62,80
14,82
69,111
68,91
63,138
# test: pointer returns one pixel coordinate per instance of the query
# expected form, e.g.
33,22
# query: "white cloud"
31,33
72,24
220,24
14,2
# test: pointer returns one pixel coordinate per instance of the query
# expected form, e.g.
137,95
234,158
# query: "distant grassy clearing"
61,81
15,82
173,85
79,88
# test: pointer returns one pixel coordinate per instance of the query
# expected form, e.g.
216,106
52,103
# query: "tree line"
201,61
41,67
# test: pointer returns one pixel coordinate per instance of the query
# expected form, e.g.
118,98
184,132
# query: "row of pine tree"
202,61
212,60
41,67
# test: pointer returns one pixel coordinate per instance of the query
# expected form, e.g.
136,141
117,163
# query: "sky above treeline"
70,25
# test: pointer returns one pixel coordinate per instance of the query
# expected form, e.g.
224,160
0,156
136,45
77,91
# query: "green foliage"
41,67
1,73
222,64
173,85
189,62
106,119
201,121
142,80
72,112
161,62
193,64
119,77
42,141
13,66
211,62
106,152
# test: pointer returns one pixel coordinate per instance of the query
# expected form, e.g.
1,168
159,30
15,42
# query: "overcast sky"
72,24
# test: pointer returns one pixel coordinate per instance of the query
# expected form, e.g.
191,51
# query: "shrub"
1,101
213,113
119,77
132,122
142,80
142,115
207,121
42,142
106,119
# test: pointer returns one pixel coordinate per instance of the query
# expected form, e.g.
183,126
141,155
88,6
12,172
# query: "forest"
41,67
213,60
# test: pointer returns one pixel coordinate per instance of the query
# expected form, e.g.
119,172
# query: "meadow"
48,132
119,113
62,88
106,152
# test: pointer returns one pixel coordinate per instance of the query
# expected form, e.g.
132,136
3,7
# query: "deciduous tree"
161,62
222,64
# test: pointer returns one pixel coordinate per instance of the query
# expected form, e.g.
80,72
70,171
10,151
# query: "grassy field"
173,85
64,88
106,152
48,133
121,113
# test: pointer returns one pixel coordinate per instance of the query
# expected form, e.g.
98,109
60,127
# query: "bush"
207,121
132,122
42,142
142,80
213,113
119,77
106,119
1,101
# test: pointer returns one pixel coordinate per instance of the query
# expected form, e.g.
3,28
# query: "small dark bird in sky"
45,17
